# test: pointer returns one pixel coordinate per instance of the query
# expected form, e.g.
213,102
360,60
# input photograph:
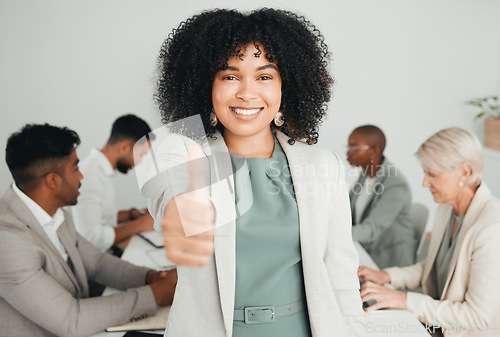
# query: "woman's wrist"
386,277
404,297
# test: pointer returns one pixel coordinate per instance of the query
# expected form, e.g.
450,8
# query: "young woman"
285,265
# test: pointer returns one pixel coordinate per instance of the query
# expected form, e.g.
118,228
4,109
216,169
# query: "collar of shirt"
103,161
50,224
43,218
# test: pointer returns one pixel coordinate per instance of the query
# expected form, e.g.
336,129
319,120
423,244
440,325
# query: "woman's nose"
247,91
425,182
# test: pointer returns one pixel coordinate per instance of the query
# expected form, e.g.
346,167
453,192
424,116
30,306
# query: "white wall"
404,65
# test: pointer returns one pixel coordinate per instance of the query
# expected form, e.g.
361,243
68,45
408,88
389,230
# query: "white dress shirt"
95,214
50,224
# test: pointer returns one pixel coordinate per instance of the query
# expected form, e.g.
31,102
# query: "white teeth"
246,112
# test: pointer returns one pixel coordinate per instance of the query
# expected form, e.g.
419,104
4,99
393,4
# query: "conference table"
382,323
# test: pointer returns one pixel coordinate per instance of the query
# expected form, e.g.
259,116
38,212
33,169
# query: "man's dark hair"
38,149
373,135
128,127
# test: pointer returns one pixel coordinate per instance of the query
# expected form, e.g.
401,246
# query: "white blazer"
470,298
204,298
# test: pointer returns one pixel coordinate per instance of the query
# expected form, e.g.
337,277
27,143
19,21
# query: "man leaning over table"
45,264
96,216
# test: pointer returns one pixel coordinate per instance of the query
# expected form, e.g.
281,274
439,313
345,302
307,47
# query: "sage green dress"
445,253
268,256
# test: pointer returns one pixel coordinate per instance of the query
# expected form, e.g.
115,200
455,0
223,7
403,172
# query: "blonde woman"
461,272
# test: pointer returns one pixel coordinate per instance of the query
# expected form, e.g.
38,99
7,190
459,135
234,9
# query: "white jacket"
204,298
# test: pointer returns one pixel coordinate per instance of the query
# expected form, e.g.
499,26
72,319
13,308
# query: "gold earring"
278,119
213,118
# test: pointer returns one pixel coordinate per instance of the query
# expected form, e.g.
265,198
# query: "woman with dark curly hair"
284,262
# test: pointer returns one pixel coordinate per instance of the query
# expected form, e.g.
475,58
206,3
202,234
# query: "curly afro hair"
192,54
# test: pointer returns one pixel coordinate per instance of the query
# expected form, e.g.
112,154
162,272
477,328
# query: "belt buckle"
258,314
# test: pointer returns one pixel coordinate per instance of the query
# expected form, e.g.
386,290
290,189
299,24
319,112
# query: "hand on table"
163,286
377,276
155,275
145,223
189,220
135,213
385,298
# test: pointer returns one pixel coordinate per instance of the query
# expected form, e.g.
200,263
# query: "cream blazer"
204,297
470,299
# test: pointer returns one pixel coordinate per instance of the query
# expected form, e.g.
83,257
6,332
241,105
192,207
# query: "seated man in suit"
95,215
45,265
380,201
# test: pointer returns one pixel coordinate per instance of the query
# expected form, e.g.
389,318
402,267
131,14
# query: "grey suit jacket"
385,229
204,298
43,295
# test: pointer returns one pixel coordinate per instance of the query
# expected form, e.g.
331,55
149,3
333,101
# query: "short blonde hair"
448,149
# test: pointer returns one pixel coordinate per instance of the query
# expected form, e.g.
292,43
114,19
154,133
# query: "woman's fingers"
375,306
370,287
188,259
385,298
377,276
193,251
189,220
362,270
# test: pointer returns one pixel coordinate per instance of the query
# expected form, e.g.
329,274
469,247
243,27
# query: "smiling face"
246,95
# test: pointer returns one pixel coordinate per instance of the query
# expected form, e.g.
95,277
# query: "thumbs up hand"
188,223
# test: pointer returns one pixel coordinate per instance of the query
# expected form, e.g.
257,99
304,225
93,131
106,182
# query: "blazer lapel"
382,173
368,207
222,192
27,219
78,267
470,218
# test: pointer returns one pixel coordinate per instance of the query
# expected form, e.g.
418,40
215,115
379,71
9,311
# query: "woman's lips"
246,113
